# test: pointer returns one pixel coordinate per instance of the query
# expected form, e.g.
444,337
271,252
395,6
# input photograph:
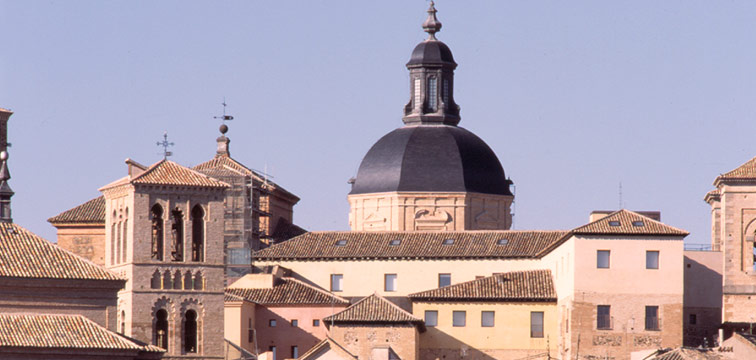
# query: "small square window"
272,322
652,259
315,322
444,280
389,282
459,318
502,241
337,282
431,318
341,242
692,319
448,242
487,318
638,223
294,323
395,242
602,259
614,223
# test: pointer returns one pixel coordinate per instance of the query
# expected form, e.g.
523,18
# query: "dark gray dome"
431,52
431,158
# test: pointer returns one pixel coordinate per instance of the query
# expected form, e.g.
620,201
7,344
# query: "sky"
575,98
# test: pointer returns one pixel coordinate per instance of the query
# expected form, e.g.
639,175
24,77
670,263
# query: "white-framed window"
487,318
389,282
337,281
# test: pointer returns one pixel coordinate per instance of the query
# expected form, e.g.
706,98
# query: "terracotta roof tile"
167,172
225,162
90,212
625,222
411,245
373,309
287,291
328,344
533,285
61,331
746,171
26,255
713,195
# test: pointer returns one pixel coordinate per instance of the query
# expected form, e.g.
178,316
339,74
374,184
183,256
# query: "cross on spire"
165,144
224,118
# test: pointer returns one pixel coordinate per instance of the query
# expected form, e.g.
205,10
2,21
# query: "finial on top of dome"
431,24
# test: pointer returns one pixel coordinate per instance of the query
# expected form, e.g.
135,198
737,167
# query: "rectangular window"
272,349
603,317
692,319
446,92
431,318
272,322
459,318
432,94
602,259
536,324
444,280
652,318
487,318
294,352
417,93
315,322
294,323
389,282
336,282
652,259
250,332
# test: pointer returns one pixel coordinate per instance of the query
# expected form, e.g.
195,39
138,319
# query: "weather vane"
165,144
224,118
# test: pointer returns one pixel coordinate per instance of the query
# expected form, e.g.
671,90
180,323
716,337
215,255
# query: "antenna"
620,196
225,117
165,144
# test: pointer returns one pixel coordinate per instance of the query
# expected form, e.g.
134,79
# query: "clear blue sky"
574,97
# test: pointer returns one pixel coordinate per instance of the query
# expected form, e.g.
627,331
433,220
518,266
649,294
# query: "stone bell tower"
430,174
164,233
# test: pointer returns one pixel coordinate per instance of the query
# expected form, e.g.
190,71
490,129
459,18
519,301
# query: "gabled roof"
225,162
327,344
90,212
287,291
518,286
625,222
62,331
166,172
26,255
373,309
744,172
411,245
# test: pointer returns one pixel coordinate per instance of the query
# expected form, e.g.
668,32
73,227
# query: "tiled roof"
288,291
90,212
690,354
712,195
746,171
224,161
26,255
328,344
285,230
62,331
533,285
373,309
167,172
412,245
625,222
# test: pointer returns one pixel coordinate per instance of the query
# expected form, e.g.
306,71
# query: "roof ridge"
149,169
322,291
395,306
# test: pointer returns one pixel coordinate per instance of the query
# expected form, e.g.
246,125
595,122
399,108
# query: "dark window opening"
190,332
157,232
177,234
161,329
198,233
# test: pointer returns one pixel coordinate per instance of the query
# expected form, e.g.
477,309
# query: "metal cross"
165,144
224,117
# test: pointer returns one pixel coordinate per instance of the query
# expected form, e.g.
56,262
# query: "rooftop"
518,286
90,212
285,291
373,309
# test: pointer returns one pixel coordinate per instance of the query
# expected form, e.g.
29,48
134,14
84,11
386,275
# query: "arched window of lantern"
198,233
190,332
432,94
161,329
156,215
177,235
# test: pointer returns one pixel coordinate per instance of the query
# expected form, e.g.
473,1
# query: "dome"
431,158
431,52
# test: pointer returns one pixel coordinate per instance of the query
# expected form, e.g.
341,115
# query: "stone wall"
86,241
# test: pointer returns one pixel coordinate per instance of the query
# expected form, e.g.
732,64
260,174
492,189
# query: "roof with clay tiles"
90,212
373,309
626,222
286,291
166,172
221,162
747,171
26,255
321,245
62,331
518,286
